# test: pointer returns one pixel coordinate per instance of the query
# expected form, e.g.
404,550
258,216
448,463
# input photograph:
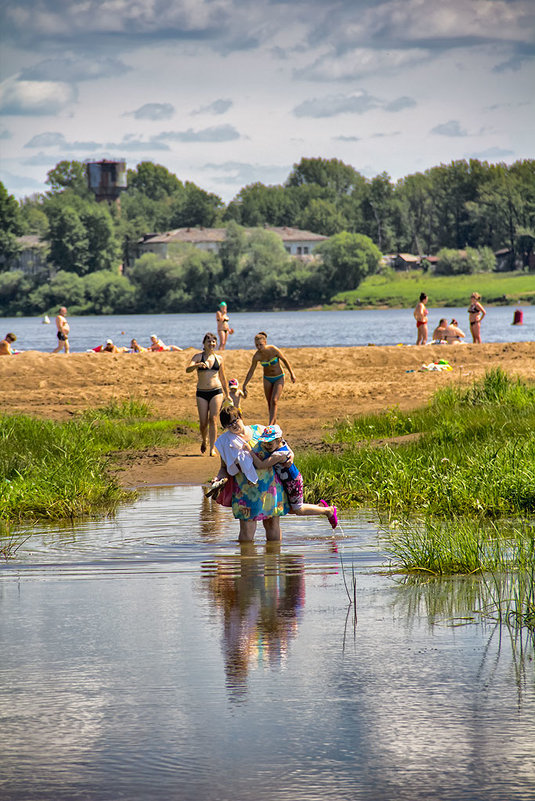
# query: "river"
285,329
147,656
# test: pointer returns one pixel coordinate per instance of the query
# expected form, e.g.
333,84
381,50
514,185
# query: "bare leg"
213,412
247,530
273,393
66,346
202,408
273,529
223,336
312,509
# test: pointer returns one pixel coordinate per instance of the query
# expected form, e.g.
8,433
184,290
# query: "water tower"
107,179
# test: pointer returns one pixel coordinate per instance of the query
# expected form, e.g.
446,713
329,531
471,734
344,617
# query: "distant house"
403,261
296,242
31,258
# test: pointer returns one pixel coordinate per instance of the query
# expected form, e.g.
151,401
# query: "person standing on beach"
63,331
476,312
270,358
5,345
223,327
420,315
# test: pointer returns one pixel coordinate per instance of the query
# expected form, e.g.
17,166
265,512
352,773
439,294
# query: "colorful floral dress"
262,500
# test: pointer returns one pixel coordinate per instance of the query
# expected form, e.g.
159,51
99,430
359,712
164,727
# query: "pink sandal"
333,519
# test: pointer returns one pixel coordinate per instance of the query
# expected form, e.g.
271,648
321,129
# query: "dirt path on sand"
331,384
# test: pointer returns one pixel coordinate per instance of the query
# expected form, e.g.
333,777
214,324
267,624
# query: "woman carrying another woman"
211,386
476,312
270,358
253,494
223,327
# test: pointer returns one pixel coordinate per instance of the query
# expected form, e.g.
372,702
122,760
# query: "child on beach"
235,393
272,443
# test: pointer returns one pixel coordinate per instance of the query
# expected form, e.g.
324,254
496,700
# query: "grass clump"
51,470
472,454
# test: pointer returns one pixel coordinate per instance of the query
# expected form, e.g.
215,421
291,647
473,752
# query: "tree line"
470,205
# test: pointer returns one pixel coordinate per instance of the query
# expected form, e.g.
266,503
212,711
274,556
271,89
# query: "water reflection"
462,600
211,520
260,594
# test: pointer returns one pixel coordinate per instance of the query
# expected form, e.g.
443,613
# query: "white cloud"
54,139
218,133
400,103
76,68
153,111
450,128
492,154
242,174
217,107
37,98
359,63
332,105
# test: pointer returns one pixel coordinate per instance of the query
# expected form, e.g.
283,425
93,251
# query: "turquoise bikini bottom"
273,378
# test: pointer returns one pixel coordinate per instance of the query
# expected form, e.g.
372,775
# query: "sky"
226,93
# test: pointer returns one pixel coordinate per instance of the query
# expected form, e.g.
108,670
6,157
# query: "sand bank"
331,383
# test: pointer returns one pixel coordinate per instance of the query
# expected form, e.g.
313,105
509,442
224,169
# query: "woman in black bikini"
476,313
211,387
270,358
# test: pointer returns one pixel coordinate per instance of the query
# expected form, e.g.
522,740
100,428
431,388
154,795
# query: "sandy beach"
332,383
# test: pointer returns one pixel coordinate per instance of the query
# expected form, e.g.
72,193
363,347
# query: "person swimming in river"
270,358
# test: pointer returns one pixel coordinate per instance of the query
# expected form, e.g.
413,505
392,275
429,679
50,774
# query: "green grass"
458,545
472,454
51,470
403,289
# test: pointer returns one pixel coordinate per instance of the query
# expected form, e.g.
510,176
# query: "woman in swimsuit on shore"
420,315
476,313
270,358
223,327
211,387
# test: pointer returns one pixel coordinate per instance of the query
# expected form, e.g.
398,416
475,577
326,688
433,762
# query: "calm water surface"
286,329
150,657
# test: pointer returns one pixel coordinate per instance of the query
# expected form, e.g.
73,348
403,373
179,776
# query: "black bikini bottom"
208,394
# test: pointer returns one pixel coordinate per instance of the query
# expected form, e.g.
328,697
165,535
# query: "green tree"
102,246
264,272
68,240
322,217
347,260
11,226
68,175
108,293
232,249
156,281
381,204
14,289
331,174
154,181
197,208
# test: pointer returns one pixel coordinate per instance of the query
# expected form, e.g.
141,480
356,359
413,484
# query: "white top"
235,456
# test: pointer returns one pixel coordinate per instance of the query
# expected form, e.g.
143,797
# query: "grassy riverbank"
470,452
52,471
402,289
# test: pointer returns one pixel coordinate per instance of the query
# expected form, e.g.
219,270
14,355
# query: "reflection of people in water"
260,594
211,518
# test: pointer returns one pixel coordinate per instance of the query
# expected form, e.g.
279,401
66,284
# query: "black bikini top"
215,366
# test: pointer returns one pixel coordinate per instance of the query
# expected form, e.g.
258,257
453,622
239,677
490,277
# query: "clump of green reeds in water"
55,470
503,554
471,452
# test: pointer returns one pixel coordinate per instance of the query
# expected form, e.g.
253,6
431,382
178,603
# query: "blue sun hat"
270,433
